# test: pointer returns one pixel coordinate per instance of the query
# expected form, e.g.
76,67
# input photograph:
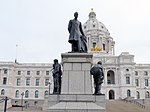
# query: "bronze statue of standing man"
98,76
77,38
57,77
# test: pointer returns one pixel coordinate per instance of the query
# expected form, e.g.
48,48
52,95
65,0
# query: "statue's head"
76,14
99,62
55,60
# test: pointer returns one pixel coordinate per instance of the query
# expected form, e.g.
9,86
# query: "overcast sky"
39,27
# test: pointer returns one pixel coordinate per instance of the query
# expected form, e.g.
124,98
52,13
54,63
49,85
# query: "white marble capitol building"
123,77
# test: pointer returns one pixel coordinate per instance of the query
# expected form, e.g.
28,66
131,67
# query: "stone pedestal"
76,91
76,73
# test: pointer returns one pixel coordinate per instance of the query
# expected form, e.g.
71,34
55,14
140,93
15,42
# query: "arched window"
2,92
138,95
17,94
147,94
128,93
46,93
103,47
110,77
27,94
36,94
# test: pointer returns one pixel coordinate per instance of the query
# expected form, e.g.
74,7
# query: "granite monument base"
76,91
76,103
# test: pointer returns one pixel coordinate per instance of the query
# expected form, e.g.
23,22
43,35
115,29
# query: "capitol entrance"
111,94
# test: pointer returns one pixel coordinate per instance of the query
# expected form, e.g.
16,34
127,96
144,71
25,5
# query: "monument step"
75,107
76,98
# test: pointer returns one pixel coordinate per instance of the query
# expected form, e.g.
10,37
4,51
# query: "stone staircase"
120,106
111,106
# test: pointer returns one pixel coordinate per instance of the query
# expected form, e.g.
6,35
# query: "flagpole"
16,53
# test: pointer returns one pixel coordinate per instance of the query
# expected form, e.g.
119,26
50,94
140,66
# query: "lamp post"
145,92
49,84
5,102
5,106
22,94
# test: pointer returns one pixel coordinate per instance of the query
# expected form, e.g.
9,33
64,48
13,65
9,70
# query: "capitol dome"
93,24
98,36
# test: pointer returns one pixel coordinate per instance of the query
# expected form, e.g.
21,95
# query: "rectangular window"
28,72
145,73
37,72
5,80
146,82
47,72
27,81
36,94
94,44
37,83
127,80
136,72
18,81
5,71
46,82
137,82
19,72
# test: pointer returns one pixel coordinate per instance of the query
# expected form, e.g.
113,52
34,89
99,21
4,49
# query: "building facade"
123,77
28,82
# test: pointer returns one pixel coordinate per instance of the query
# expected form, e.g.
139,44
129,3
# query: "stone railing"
133,101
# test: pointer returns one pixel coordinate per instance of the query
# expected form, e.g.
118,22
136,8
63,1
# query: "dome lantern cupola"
92,14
